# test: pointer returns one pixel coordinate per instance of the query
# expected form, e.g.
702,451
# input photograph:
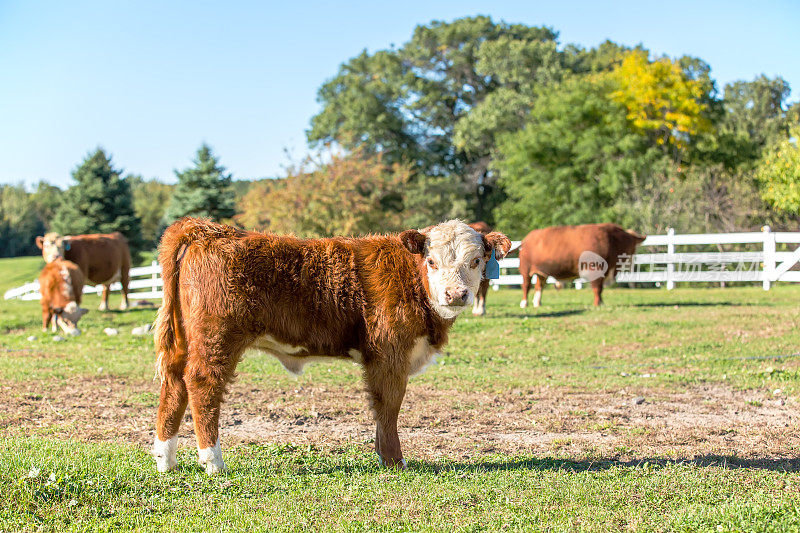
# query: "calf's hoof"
523,304
102,307
392,463
211,460
165,453
123,306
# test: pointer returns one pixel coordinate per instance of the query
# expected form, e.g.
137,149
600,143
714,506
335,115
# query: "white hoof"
403,465
211,459
123,306
478,311
523,304
102,307
165,453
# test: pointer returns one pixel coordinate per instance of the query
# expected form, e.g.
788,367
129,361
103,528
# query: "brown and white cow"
103,259
591,251
61,287
479,307
385,302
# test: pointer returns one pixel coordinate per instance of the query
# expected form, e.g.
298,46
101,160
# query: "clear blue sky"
150,81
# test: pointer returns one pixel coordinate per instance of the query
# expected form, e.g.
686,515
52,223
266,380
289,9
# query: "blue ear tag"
66,246
492,268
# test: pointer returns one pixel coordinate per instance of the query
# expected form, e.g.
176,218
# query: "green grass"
650,340
102,487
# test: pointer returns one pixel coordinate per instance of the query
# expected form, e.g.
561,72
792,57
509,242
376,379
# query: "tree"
202,191
354,194
99,202
755,116
661,100
47,199
573,160
406,103
150,199
779,174
20,222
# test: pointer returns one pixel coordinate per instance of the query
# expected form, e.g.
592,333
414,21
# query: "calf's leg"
537,293
526,287
479,308
211,364
124,279
171,407
104,299
597,288
387,389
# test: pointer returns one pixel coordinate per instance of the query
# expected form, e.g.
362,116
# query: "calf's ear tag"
66,246
492,268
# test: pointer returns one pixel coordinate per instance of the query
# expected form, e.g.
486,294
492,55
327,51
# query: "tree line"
486,120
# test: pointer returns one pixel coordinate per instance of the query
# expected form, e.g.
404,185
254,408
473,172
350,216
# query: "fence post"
670,264
769,258
154,276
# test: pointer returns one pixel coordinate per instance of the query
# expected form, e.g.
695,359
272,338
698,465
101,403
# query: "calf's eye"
431,263
476,262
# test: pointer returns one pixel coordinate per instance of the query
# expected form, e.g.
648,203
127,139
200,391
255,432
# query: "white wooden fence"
145,283
766,264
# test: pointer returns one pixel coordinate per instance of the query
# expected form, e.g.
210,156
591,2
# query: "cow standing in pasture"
479,307
103,258
591,251
384,302
61,287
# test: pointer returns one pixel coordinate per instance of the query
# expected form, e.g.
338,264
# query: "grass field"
660,411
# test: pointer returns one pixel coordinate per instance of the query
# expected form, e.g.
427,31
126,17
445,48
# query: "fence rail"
145,283
766,264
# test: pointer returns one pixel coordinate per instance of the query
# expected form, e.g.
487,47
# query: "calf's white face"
454,258
52,245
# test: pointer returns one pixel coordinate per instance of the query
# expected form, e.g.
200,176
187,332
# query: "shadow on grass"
717,461
694,304
550,314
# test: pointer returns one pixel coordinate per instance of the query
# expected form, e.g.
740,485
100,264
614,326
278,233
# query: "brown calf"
61,287
385,302
590,251
103,259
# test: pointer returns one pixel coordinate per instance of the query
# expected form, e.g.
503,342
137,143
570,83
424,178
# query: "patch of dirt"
711,421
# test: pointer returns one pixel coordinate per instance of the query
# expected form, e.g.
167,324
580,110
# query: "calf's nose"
456,296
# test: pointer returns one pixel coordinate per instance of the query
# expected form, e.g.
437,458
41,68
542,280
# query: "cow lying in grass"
103,258
385,302
61,287
590,251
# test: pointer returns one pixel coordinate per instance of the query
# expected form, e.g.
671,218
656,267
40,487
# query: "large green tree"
407,103
99,202
573,161
203,190
756,111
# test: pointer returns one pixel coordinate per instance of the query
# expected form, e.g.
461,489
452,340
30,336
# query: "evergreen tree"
202,191
100,202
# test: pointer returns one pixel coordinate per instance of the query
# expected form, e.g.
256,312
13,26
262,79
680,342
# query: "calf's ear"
413,240
40,242
498,242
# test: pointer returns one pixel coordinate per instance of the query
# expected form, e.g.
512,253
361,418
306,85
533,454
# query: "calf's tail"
170,339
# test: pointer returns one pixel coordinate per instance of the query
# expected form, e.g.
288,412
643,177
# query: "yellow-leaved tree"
779,174
661,100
